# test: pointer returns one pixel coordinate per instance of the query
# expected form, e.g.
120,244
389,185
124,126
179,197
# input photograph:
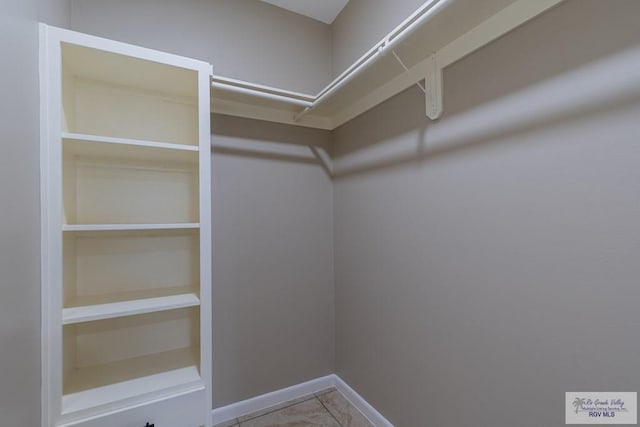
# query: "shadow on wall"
525,90
552,78
569,96
540,52
264,140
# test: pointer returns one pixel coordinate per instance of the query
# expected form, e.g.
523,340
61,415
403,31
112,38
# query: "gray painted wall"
488,263
20,209
361,24
272,257
248,39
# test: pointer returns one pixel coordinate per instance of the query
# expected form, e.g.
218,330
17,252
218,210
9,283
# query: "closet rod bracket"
433,88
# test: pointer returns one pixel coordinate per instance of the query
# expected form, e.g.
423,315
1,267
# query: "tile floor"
327,408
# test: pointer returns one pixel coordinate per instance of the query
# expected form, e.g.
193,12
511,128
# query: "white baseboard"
258,403
375,417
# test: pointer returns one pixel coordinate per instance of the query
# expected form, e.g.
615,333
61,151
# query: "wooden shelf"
104,146
98,389
128,227
224,100
131,307
126,141
453,31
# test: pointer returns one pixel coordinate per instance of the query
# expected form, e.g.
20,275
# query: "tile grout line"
325,391
306,399
330,413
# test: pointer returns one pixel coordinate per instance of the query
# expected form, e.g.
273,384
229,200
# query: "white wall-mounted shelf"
438,34
129,227
103,146
131,307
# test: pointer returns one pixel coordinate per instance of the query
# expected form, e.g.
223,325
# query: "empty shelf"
128,227
92,312
167,77
101,388
104,146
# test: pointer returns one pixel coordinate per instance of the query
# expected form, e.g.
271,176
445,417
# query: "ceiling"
321,10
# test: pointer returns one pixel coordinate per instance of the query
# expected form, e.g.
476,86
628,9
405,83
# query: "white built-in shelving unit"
126,246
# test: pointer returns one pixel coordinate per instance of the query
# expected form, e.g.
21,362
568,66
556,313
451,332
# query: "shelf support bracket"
432,85
433,88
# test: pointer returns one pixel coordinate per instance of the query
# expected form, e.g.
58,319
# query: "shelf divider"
112,310
70,136
129,227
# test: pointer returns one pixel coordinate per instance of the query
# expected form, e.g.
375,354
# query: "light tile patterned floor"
326,409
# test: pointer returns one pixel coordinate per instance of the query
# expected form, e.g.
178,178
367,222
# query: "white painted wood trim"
51,222
93,312
206,303
371,413
125,141
45,394
125,49
195,388
129,227
378,96
258,403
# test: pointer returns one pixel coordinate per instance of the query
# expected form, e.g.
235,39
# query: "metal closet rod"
261,94
390,41
397,35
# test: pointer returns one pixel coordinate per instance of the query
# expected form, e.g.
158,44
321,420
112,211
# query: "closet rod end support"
433,89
